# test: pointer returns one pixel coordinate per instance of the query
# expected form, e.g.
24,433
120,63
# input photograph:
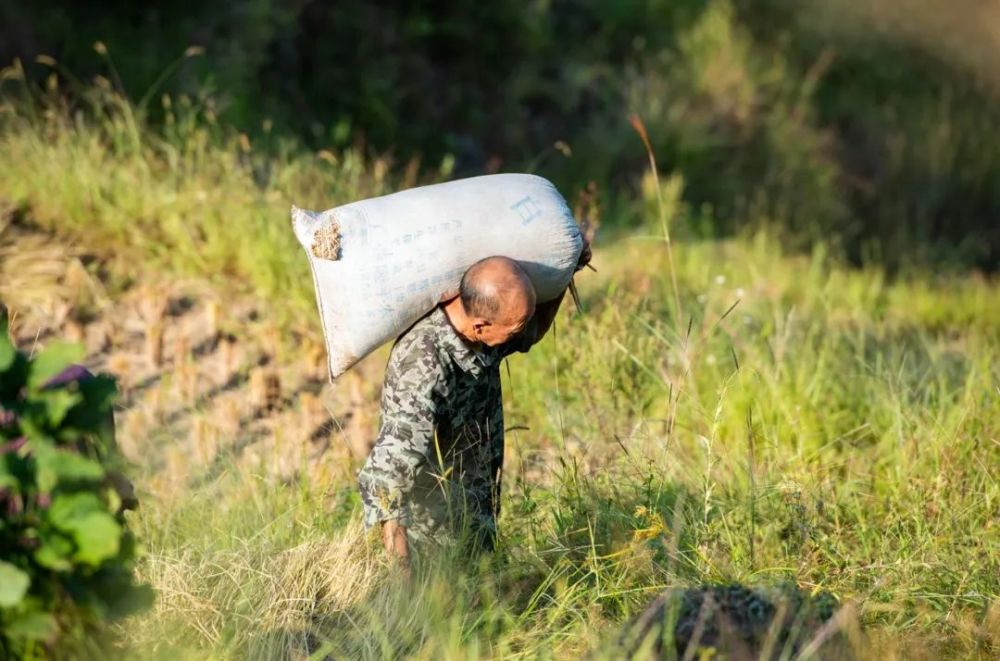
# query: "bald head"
497,288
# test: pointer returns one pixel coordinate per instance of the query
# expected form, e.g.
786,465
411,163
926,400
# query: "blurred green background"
874,126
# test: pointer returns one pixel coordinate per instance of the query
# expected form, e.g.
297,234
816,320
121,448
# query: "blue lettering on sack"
527,209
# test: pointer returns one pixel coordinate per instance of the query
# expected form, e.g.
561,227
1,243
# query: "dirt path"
208,383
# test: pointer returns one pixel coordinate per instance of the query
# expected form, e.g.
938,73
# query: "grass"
801,421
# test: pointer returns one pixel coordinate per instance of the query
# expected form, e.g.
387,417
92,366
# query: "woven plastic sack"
380,264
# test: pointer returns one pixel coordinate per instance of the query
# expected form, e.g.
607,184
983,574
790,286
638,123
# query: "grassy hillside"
787,419
871,127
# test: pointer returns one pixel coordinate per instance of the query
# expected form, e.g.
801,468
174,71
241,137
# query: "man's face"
508,323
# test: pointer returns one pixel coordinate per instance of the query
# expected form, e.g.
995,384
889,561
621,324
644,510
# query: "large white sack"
381,264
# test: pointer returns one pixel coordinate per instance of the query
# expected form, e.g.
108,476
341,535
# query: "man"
434,473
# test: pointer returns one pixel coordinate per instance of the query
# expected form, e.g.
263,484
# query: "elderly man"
433,475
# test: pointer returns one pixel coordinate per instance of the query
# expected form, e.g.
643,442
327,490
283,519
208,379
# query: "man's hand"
585,256
396,545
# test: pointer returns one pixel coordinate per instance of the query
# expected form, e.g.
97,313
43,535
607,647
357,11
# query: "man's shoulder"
428,330
420,345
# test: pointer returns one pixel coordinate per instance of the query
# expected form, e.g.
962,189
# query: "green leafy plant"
66,554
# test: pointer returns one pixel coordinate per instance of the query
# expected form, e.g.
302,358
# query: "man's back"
436,464
435,468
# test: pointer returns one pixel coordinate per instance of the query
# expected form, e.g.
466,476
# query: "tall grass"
803,422
192,199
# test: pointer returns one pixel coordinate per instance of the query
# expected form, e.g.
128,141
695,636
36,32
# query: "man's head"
498,299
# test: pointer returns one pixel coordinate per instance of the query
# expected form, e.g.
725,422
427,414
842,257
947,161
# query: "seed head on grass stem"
640,128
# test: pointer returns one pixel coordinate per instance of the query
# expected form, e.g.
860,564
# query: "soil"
208,383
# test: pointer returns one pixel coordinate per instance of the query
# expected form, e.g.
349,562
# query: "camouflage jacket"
436,464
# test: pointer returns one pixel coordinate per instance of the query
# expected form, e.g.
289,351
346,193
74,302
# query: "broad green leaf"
32,428
7,478
33,625
14,584
86,518
113,499
57,466
55,552
54,359
58,403
8,352
97,537
67,510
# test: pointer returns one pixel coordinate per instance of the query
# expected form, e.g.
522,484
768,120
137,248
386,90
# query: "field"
773,416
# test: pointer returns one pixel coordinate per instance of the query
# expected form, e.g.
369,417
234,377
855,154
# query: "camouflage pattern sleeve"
414,377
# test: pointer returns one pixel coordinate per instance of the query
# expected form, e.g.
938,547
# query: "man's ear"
479,324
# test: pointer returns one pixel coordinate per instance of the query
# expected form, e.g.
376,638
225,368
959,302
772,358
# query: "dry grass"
273,598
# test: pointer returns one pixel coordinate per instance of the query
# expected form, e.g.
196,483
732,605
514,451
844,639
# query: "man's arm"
405,441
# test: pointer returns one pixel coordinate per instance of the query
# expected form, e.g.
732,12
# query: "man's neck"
459,320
